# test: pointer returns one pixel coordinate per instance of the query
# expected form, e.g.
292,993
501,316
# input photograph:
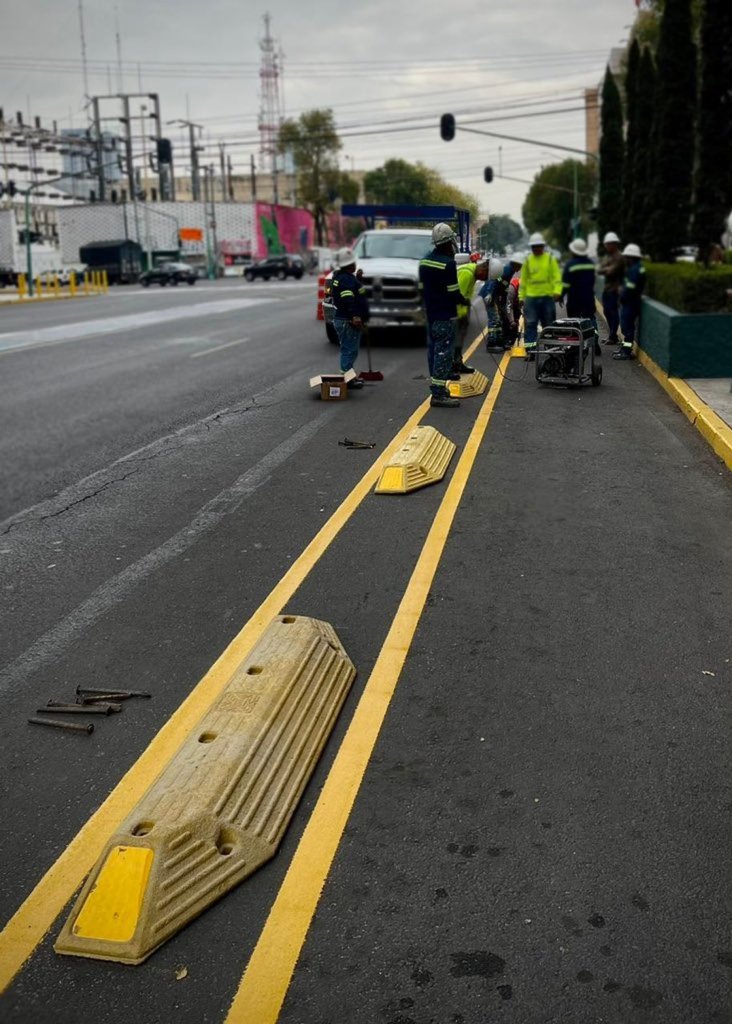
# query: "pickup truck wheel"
248,275
332,334
281,275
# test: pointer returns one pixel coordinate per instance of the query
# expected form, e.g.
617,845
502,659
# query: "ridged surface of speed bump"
220,808
423,459
469,385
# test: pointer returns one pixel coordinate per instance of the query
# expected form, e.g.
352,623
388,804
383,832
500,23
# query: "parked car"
169,273
276,266
8,277
77,269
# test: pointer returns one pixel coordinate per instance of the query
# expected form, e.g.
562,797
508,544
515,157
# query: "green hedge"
689,288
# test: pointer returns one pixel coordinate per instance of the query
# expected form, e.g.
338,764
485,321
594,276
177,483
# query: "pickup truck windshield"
392,245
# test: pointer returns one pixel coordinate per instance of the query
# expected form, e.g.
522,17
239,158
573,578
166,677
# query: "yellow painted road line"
710,425
266,980
36,915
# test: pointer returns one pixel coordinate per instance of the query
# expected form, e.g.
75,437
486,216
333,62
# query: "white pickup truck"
390,262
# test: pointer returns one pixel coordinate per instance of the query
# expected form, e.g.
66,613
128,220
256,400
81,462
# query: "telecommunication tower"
270,107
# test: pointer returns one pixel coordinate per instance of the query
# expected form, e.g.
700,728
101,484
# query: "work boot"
454,374
623,353
612,340
460,367
354,385
444,402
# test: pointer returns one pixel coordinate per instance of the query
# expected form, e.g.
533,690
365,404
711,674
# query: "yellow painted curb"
710,425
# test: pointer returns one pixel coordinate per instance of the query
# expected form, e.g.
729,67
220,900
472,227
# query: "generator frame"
568,354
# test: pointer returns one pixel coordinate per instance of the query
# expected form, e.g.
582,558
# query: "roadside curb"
43,298
710,425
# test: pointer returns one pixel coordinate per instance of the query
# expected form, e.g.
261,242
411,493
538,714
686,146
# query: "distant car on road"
169,273
685,254
276,266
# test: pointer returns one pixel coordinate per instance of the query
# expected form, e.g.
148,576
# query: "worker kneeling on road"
493,294
540,290
469,270
630,294
351,310
441,296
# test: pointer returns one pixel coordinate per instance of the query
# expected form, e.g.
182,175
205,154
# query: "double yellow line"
266,979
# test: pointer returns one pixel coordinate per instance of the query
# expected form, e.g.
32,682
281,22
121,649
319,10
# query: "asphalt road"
542,833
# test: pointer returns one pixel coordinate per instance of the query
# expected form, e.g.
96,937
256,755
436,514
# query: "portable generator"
568,354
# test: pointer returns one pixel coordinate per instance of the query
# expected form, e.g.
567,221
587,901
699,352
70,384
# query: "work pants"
610,312
440,346
539,309
461,336
349,338
629,313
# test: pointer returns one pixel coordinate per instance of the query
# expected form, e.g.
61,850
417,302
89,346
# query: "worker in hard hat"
540,290
470,268
612,268
578,282
351,310
512,307
441,297
493,294
509,318
629,296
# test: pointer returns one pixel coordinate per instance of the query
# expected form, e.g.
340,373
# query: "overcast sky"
381,64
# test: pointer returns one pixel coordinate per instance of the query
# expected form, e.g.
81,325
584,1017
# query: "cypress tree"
634,140
673,155
713,179
644,162
610,205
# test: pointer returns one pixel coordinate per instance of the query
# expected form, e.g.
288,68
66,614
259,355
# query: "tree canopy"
498,233
314,143
612,154
549,203
399,181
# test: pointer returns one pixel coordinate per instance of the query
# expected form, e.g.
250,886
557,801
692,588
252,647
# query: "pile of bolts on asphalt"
89,701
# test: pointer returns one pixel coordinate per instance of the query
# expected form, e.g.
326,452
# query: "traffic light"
488,175
447,127
9,188
164,151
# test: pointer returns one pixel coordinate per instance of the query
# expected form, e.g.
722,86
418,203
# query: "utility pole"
99,143
131,183
83,51
222,161
253,178
231,178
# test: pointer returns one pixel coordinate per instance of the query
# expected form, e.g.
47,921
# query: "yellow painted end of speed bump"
423,459
220,808
112,909
469,385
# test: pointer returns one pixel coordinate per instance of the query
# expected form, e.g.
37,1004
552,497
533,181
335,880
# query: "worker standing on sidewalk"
540,290
469,270
351,310
612,267
441,296
578,279
630,294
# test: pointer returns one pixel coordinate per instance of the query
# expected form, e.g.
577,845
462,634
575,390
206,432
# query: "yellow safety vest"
540,276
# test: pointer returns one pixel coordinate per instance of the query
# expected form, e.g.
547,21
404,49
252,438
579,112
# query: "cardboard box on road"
333,386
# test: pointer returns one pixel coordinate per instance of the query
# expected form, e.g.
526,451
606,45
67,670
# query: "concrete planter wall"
687,344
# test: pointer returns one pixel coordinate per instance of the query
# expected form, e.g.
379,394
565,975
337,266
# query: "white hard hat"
632,249
442,233
518,257
495,268
536,239
610,237
578,247
345,258
462,258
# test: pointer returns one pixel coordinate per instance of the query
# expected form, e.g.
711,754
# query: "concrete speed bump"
469,385
220,808
423,459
